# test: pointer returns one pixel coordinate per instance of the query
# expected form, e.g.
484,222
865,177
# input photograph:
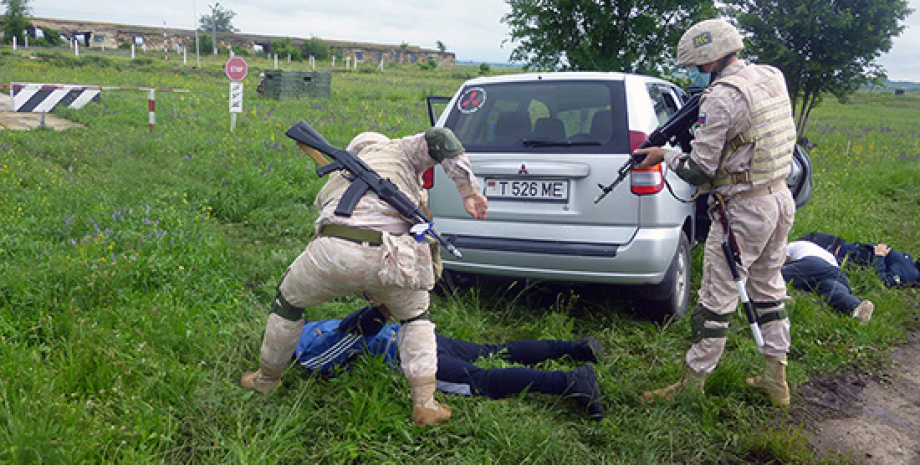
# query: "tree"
316,48
220,20
205,44
284,47
441,47
609,35
822,47
52,37
16,20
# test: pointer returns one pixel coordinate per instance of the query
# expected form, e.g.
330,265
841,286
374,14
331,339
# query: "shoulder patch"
701,120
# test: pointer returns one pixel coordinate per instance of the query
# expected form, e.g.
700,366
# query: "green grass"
136,269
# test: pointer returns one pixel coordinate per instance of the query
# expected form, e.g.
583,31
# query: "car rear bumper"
642,260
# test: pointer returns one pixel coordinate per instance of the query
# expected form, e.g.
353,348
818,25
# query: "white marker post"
236,69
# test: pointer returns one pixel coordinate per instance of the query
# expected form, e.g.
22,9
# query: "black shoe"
588,349
584,389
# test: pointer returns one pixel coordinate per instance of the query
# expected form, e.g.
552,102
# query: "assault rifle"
675,130
363,178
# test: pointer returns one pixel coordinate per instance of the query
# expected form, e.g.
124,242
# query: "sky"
472,29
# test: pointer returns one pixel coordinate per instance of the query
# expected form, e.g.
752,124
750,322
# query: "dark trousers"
455,366
816,275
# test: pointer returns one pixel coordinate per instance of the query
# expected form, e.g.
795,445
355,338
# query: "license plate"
528,190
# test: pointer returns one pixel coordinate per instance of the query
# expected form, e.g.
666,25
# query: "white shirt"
800,249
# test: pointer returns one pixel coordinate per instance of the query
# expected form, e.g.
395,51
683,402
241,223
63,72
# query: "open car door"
436,106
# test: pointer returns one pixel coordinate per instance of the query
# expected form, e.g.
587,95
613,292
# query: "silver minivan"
540,145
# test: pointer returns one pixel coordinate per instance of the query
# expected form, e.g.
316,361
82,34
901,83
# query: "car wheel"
452,281
668,299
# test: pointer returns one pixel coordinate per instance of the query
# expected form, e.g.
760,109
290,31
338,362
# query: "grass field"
136,269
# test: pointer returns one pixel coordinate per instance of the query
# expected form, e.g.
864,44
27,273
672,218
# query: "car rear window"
542,116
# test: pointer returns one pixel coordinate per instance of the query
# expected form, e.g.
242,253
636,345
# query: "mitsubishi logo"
523,169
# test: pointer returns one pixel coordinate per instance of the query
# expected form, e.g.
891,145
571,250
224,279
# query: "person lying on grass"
897,269
810,267
327,347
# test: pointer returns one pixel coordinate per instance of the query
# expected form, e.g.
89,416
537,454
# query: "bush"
316,48
285,47
52,38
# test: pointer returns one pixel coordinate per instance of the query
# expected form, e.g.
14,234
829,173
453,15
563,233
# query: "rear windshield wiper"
556,143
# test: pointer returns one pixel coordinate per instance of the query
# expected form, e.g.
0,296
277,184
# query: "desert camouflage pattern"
761,225
397,273
762,213
390,161
771,135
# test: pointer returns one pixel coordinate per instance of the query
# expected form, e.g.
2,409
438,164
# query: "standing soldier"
742,151
371,253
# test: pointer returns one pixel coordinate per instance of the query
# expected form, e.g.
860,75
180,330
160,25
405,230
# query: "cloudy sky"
470,28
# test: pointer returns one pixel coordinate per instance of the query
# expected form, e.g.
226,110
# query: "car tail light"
644,181
428,178
636,139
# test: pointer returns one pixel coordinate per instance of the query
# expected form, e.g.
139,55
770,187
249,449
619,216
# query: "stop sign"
236,69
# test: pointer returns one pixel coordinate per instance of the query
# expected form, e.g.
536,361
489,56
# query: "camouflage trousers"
761,225
395,274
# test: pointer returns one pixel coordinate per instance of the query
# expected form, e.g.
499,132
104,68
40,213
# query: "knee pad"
768,312
424,316
284,309
698,321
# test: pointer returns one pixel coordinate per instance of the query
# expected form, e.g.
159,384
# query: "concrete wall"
108,35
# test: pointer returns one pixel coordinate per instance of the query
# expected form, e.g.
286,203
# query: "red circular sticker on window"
472,100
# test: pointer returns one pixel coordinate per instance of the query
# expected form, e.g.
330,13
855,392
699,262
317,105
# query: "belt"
352,233
775,186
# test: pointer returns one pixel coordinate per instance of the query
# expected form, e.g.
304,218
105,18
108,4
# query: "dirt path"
25,121
867,420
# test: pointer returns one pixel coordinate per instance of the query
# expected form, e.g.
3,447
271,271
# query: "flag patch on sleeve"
701,119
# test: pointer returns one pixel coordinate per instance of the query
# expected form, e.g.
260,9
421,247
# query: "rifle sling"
352,233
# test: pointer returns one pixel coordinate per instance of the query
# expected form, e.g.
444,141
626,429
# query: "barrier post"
151,105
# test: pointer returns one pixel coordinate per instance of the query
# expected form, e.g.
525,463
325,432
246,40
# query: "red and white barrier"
42,98
152,108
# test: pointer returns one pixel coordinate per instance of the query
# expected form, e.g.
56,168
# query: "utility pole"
214,25
197,26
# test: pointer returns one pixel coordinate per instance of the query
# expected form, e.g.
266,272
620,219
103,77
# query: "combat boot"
425,409
773,381
691,380
588,349
584,389
278,344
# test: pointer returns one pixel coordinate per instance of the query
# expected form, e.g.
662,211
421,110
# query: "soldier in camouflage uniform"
742,149
372,254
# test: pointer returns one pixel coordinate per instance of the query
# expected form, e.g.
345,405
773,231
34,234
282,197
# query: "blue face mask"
698,77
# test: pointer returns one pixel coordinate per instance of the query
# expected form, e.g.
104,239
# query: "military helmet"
707,41
365,139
